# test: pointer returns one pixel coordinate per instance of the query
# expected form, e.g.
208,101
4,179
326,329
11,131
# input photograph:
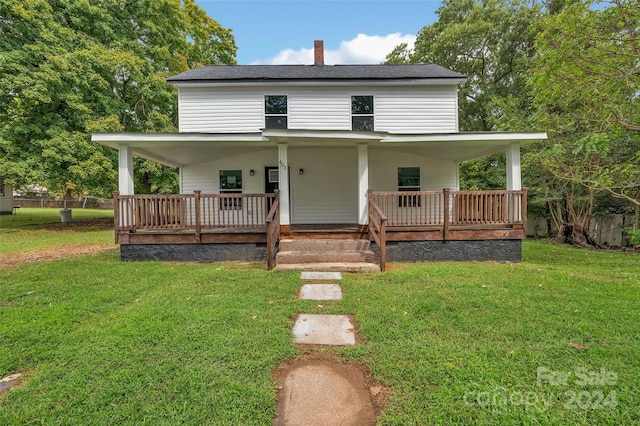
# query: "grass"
462,343
102,341
35,228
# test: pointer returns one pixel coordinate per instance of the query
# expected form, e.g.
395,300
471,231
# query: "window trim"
266,114
372,114
233,204
412,201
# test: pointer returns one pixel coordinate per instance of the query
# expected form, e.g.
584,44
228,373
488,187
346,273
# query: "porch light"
252,172
301,172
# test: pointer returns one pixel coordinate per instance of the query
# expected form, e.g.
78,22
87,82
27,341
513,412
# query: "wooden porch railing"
444,210
436,208
191,212
378,229
273,230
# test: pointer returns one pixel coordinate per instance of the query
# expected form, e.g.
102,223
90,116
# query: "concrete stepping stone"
324,393
333,330
309,275
321,292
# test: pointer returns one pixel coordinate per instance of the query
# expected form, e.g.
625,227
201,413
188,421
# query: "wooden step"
321,256
329,267
324,245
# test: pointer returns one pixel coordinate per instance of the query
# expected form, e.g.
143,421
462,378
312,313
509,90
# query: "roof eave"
319,82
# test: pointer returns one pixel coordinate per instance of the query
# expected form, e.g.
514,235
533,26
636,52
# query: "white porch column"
283,167
125,170
514,180
363,184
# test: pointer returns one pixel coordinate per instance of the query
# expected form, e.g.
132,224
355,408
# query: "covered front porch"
256,188
255,219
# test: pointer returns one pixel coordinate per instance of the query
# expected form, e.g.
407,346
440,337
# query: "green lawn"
36,228
107,342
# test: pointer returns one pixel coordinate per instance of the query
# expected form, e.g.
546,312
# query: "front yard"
553,340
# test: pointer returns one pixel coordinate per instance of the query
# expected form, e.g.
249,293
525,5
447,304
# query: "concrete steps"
326,255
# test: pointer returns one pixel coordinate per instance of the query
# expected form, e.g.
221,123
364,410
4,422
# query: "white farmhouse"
368,152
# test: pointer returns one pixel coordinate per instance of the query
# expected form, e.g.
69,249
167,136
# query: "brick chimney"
318,52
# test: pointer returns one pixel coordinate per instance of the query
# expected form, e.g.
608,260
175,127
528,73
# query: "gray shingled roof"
256,73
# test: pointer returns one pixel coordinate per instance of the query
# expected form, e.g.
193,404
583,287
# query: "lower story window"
408,181
231,183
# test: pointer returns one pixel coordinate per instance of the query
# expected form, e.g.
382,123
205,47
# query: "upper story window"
275,112
362,113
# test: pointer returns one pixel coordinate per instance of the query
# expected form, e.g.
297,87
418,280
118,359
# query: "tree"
587,65
490,41
586,84
69,68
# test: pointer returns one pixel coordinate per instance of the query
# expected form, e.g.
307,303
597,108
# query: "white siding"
218,111
419,109
328,109
327,192
407,111
435,173
206,176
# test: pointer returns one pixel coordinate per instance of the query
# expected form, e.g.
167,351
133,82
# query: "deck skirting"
441,251
194,252
401,251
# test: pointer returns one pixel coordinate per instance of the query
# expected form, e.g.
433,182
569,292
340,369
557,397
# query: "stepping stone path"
333,330
323,392
321,292
306,275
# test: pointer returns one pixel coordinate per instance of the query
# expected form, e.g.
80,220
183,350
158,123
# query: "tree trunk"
576,235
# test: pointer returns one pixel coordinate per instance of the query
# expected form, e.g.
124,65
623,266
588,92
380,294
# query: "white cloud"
364,49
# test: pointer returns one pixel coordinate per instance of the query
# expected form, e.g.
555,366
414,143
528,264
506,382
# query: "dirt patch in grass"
97,224
49,254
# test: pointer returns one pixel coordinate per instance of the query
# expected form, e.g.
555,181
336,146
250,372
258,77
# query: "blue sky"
268,31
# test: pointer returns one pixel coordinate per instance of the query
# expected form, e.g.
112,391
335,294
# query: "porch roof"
182,149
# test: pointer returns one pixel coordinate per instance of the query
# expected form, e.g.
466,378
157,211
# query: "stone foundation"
436,251
193,252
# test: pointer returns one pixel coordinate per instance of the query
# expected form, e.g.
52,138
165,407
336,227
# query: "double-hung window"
231,183
275,111
408,180
362,113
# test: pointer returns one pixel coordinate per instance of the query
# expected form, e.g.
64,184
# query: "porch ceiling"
462,146
182,149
